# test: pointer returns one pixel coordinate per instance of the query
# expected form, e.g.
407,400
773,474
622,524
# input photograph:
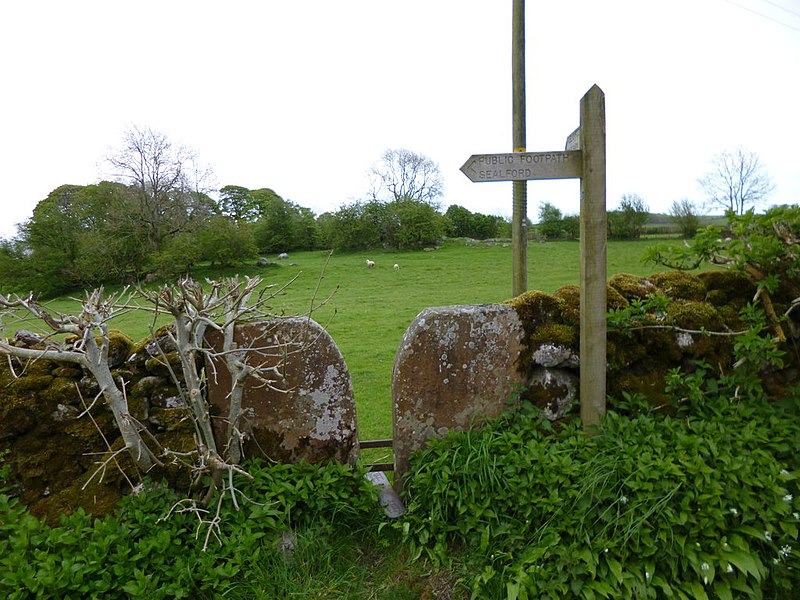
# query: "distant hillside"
661,220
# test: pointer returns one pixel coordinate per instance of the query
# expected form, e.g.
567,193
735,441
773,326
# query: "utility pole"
519,230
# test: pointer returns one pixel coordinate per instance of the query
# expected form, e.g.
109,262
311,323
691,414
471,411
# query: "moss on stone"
157,366
570,297
69,372
64,390
726,288
695,315
119,343
632,287
536,308
31,383
555,333
615,300
679,284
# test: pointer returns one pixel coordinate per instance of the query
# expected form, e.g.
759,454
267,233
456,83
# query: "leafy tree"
684,215
416,224
628,221
404,174
283,224
238,203
463,223
571,227
550,221
78,236
737,181
225,241
355,226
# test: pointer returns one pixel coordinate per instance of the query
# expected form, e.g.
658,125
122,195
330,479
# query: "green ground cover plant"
152,547
703,505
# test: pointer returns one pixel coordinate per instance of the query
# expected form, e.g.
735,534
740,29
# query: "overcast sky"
303,97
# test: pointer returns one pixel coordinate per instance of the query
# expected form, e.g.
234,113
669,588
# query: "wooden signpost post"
584,158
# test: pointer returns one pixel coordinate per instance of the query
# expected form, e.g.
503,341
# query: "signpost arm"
519,230
593,259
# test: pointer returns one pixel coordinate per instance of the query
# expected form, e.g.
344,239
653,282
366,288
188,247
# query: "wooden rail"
366,444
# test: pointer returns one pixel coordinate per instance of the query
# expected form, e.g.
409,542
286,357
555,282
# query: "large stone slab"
308,410
455,367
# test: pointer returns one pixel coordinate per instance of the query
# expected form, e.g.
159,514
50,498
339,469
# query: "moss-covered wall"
54,444
639,359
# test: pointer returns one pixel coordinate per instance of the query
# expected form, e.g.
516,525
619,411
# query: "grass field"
369,309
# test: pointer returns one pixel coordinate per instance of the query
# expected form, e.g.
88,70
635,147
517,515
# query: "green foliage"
762,246
282,225
693,507
553,225
684,215
416,224
463,223
401,224
628,221
138,552
223,241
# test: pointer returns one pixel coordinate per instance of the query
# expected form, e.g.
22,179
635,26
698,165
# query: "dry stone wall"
455,367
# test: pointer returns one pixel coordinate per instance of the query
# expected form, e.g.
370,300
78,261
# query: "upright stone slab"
308,411
456,366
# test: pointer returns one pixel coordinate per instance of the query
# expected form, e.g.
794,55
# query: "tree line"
157,217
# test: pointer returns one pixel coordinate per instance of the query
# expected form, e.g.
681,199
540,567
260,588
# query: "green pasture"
366,311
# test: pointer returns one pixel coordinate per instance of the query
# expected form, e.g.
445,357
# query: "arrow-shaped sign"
521,166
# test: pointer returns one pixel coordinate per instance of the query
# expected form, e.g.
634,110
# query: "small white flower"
785,550
734,512
606,550
796,515
788,498
647,575
768,536
775,561
623,499
704,567
729,568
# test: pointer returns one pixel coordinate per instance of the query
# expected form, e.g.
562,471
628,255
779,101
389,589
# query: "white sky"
303,97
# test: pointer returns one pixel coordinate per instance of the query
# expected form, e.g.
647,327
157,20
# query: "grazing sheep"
396,267
370,263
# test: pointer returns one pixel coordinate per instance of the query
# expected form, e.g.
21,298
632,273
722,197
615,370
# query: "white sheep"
370,263
396,267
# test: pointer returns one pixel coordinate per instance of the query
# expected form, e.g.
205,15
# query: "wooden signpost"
584,158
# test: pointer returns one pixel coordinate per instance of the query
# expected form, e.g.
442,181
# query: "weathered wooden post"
593,258
584,157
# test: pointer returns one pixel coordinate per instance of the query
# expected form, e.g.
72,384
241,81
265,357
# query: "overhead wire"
762,15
